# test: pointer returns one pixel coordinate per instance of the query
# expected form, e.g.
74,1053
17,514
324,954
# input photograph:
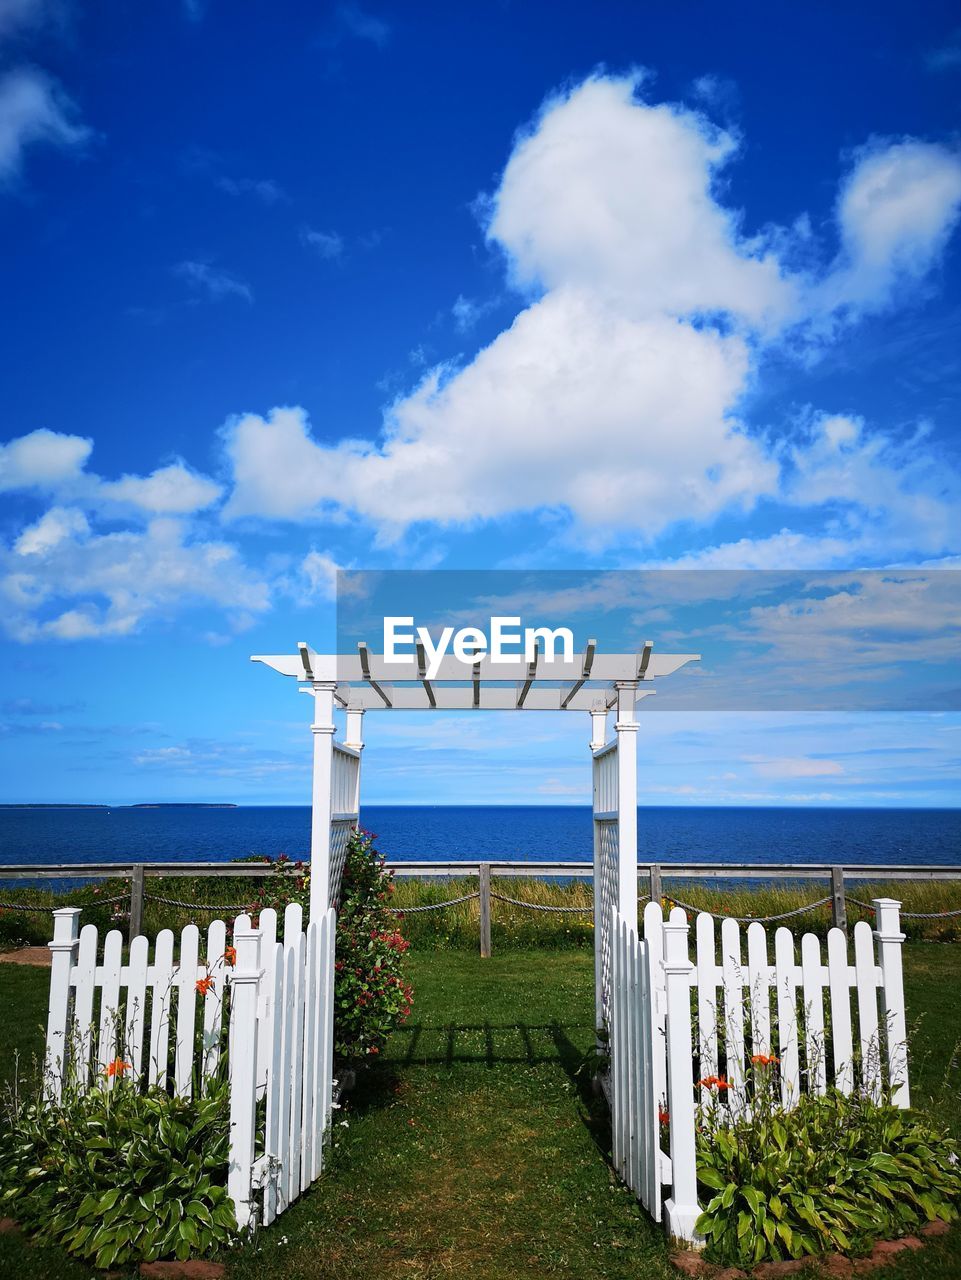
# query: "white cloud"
794,767
34,109
211,283
56,463
467,312
573,406
320,571
896,210
326,244
171,490
53,528
775,551
266,190
355,21
43,460
906,496
62,579
612,195
614,400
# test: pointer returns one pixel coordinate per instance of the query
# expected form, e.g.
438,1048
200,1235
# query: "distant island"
176,804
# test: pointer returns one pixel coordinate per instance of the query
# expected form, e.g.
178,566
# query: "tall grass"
511,927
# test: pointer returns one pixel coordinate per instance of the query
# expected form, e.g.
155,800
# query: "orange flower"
764,1059
230,956
663,1115
116,1068
714,1082
204,985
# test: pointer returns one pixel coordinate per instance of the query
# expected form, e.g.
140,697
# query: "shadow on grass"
491,1045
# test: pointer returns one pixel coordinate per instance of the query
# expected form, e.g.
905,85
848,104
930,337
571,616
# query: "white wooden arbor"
597,683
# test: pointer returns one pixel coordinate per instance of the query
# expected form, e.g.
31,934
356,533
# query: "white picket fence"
149,1014
747,1006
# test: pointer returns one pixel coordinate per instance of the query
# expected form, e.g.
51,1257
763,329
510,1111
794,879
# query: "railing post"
66,932
135,925
485,910
888,938
244,983
839,910
656,882
681,1208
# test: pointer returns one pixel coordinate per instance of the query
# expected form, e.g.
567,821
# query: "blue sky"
458,286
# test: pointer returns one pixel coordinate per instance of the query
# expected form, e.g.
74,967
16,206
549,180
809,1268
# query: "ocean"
531,833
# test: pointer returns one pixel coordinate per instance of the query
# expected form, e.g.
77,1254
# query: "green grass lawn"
475,1148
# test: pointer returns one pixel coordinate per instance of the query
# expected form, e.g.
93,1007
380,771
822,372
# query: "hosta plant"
116,1175
836,1173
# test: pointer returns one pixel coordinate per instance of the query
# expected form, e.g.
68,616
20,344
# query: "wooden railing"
650,876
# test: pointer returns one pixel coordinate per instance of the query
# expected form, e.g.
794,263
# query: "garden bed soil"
690,1263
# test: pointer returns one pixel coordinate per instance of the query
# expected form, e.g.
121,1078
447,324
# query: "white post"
598,739
244,983
888,938
681,1208
626,727
66,933
323,731
354,737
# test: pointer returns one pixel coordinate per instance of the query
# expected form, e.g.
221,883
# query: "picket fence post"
63,947
244,983
682,1209
888,936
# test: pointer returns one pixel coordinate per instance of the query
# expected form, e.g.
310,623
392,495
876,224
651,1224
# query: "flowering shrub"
116,1175
836,1173
371,994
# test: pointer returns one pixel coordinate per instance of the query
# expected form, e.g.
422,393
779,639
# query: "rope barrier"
534,906
196,906
786,915
100,902
928,915
432,906
908,915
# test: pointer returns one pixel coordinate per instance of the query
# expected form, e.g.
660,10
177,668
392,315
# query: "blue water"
543,833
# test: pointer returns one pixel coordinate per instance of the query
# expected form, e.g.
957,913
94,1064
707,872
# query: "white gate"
815,1015
158,1021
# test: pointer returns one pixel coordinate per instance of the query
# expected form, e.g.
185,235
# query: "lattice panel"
606,897
339,836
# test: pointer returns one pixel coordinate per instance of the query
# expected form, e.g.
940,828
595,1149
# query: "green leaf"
711,1177
753,1197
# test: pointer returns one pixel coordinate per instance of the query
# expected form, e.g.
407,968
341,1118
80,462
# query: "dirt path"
39,956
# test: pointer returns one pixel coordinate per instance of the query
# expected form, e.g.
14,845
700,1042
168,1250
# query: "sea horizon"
559,832
399,804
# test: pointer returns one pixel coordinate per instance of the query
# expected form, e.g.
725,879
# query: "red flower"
116,1068
764,1059
230,956
714,1082
204,985
663,1115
